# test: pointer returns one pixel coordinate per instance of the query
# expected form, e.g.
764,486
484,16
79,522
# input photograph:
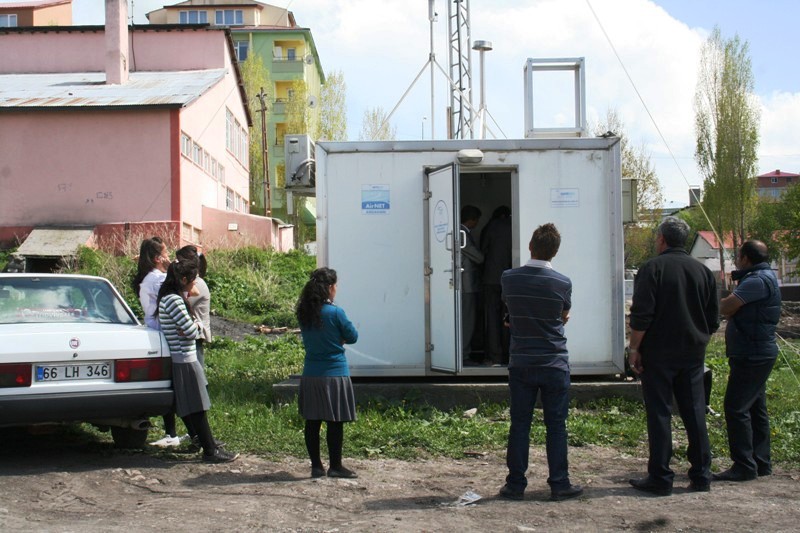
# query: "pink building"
120,128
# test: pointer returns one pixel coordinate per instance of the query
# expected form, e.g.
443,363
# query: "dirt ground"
57,484
66,482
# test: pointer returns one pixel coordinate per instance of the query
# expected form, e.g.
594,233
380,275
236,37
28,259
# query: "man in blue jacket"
753,311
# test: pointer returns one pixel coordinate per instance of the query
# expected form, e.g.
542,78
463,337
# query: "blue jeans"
525,384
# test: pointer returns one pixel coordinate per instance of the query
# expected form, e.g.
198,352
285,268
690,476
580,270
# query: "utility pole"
265,160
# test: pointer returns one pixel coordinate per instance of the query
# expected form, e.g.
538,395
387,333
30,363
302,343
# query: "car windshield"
60,300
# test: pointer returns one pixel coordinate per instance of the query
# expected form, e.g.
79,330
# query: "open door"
442,269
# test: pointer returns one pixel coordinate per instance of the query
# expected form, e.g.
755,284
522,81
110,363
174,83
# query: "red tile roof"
711,239
34,3
778,174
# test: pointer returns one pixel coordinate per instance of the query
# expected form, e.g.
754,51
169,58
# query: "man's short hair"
545,242
470,212
675,232
755,251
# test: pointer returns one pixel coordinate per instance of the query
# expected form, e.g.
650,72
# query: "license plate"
100,370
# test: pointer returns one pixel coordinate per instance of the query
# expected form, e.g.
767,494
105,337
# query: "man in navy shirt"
538,300
753,311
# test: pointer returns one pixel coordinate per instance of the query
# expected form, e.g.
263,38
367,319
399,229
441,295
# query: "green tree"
255,78
726,128
635,161
298,115
333,108
375,127
788,214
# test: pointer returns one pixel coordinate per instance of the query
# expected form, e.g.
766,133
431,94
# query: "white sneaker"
167,442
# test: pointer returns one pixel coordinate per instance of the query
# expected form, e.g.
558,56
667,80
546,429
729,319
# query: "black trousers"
497,335
746,415
663,377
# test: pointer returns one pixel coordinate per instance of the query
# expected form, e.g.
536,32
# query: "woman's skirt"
190,386
327,398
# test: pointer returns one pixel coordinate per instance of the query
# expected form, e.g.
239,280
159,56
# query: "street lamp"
482,47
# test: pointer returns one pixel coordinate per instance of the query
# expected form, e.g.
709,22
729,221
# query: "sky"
381,46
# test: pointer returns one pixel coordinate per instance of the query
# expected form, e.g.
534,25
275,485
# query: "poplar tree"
333,108
255,76
726,128
375,127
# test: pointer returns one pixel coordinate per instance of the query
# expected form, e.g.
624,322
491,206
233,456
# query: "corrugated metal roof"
89,89
34,3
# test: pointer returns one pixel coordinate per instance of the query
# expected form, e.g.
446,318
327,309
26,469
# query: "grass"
260,286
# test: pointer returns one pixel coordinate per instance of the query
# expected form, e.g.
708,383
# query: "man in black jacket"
674,312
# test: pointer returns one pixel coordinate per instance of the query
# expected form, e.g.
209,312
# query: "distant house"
773,184
289,55
127,130
36,13
706,249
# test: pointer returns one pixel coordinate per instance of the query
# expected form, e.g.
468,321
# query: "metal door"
442,269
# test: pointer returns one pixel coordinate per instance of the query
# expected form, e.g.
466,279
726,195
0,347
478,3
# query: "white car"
71,350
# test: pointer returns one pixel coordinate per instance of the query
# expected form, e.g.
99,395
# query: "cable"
655,124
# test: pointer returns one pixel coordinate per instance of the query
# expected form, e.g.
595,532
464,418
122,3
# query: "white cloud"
381,47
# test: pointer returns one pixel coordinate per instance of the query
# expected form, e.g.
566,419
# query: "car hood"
78,342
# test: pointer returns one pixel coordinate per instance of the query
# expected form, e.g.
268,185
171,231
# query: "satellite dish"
312,101
309,59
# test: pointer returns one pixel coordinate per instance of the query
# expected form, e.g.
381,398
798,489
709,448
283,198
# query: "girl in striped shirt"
188,377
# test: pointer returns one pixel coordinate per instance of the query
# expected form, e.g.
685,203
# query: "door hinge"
429,347
428,271
427,195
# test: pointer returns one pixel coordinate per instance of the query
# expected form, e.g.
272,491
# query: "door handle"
462,238
448,238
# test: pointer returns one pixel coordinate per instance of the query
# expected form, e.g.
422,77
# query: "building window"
197,154
221,174
186,145
773,180
229,199
241,48
788,179
229,17
194,17
229,130
291,54
8,21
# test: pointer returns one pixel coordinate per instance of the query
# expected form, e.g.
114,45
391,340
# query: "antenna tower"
461,110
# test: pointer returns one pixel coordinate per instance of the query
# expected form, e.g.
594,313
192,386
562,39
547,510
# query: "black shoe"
733,475
317,471
699,487
341,472
645,484
195,446
764,471
510,494
220,455
565,494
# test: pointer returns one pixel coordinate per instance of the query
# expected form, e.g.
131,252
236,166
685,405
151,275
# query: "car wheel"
128,437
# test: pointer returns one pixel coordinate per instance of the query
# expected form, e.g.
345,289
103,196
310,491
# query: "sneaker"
341,472
167,442
220,456
317,471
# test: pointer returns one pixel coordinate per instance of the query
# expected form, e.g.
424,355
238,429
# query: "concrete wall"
224,229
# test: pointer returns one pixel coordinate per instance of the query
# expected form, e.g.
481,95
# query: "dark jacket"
675,303
751,330
496,248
